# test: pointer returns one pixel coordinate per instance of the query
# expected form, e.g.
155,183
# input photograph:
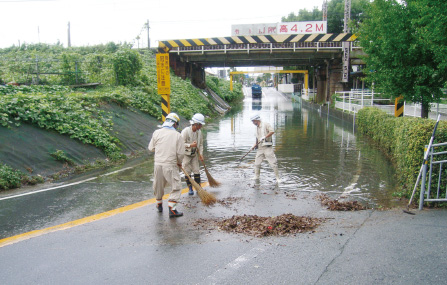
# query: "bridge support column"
321,86
198,76
188,70
328,81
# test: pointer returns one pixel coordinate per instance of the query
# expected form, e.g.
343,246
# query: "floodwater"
316,153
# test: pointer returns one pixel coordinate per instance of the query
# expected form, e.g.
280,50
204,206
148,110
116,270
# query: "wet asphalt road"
315,153
137,245
142,246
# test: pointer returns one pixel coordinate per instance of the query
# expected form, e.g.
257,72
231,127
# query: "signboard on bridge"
289,28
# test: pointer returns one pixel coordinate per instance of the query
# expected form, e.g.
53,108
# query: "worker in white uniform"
193,139
167,143
264,144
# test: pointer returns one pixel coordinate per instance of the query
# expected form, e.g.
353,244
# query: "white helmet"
255,117
198,119
171,119
174,117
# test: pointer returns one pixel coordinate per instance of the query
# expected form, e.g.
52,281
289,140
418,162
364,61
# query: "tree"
304,15
237,77
127,65
267,77
335,14
405,45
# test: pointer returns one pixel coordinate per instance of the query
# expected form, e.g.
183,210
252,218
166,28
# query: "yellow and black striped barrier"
165,106
165,46
399,106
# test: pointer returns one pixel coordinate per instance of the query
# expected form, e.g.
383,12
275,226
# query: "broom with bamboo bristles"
205,197
211,180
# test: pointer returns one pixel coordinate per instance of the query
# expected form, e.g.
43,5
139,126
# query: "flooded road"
316,153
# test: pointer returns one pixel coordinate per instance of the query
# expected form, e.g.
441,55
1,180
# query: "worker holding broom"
167,143
193,140
264,144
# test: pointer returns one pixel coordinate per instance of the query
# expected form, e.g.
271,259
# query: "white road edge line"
66,185
233,266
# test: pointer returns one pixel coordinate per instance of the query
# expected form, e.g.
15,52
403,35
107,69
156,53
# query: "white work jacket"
189,137
168,146
262,130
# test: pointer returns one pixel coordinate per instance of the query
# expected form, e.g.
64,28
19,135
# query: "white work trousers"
191,164
266,152
167,175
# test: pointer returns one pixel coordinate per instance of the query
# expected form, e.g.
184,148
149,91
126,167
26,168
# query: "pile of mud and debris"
335,205
284,225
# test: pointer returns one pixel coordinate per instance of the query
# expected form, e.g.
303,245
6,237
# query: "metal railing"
308,94
262,46
357,99
432,191
414,110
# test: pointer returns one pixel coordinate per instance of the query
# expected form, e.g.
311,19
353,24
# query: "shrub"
60,155
222,88
403,139
127,65
9,178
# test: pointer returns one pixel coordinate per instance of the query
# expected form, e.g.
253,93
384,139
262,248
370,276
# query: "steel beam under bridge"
305,72
267,50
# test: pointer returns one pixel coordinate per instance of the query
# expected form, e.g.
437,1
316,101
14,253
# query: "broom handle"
240,159
203,161
186,173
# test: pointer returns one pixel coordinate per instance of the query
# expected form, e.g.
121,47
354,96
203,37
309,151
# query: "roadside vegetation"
403,140
45,97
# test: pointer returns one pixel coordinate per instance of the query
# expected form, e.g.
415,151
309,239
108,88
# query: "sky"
101,21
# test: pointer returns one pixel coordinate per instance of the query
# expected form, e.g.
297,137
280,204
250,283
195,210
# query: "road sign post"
399,106
164,83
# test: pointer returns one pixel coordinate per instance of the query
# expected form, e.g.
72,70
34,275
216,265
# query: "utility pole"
346,45
324,8
347,16
148,38
69,40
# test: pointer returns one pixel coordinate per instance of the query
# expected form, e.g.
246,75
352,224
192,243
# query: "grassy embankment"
128,80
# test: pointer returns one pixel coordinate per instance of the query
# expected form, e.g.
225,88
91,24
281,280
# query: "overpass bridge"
322,53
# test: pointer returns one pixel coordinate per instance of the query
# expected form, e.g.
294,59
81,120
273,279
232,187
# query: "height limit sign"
163,79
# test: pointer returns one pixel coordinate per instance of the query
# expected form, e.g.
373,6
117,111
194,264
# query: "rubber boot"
278,179
257,173
191,191
173,213
160,206
197,178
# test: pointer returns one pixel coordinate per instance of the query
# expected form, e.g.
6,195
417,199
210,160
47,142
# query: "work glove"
262,139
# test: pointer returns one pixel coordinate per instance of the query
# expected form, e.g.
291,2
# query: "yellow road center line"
97,217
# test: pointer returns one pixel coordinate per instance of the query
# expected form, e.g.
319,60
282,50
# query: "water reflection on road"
315,153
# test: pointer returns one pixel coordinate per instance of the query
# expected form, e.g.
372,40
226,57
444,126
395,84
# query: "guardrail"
357,99
262,46
434,192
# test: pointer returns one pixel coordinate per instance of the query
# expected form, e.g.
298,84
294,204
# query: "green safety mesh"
28,147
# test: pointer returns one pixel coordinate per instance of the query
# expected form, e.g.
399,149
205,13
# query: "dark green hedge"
403,140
